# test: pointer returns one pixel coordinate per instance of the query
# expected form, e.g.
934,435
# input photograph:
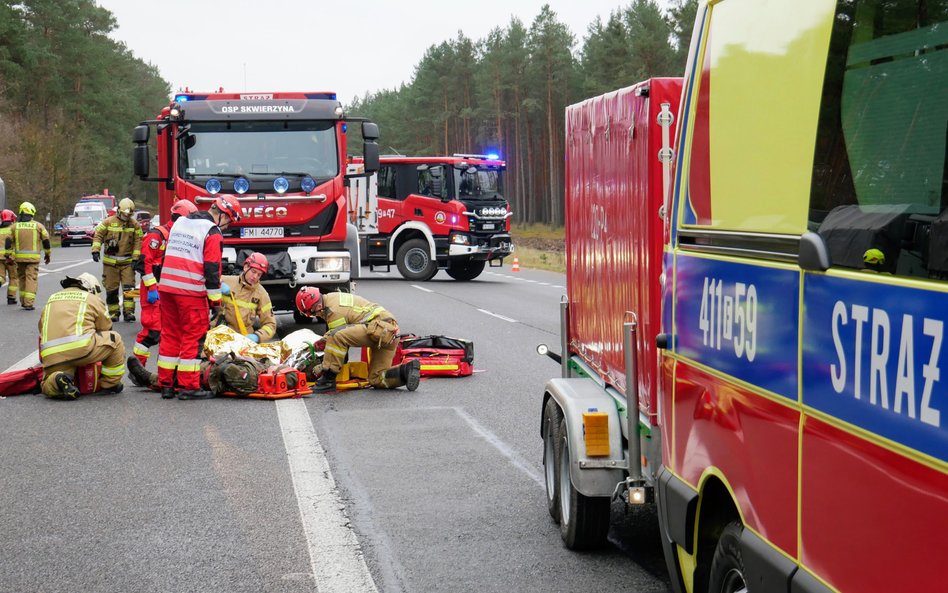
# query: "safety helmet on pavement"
7,215
229,206
182,208
307,298
126,206
85,281
28,208
257,261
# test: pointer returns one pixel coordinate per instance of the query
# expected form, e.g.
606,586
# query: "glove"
152,297
46,259
253,338
225,288
95,256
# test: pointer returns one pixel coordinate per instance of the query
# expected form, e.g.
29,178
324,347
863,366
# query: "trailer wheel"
467,270
584,520
552,418
414,261
727,566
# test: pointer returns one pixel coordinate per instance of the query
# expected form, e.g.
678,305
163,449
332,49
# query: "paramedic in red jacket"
149,266
190,281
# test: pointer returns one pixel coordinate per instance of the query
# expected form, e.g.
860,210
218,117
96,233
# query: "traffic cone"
516,265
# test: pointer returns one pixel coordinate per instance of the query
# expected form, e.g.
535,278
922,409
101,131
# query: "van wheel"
552,418
414,261
584,520
467,270
727,566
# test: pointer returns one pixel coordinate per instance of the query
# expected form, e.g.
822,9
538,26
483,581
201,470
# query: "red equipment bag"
87,377
440,356
21,382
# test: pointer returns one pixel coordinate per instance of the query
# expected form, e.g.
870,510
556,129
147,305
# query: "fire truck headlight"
241,185
460,239
308,184
213,186
280,184
328,264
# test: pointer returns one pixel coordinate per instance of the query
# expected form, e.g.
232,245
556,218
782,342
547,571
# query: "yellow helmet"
28,208
126,206
874,257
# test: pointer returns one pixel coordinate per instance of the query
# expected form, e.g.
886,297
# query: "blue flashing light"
213,186
493,156
280,184
308,184
181,98
344,128
241,185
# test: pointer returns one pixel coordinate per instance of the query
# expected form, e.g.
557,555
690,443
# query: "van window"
879,194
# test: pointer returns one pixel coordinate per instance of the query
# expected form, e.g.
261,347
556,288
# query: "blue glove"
225,288
152,297
253,338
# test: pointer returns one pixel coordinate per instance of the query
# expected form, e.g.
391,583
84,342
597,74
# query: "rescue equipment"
440,356
21,382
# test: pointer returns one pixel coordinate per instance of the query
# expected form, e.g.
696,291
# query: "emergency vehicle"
105,198
795,396
282,155
429,213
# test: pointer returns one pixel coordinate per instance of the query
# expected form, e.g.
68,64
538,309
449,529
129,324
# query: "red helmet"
257,261
229,206
306,299
7,216
182,208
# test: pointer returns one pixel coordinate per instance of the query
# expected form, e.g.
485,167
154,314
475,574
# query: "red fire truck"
783,309
282,155
104,198
431,213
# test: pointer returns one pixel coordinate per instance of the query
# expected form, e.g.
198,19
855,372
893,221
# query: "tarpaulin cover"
21,382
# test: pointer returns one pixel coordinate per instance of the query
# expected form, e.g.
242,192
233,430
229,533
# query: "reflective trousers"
380,359
27,276
151,326
112,277
108,348
184,323
9,270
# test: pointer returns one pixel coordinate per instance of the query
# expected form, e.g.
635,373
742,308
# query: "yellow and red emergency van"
801,407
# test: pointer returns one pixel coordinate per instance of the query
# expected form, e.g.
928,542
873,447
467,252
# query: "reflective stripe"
212,292
266,307
189,365
246,304
346,300
148,279
336,323
140,349
113,371
64,344
31,295
165,281
186,274
375,312
439,367
337,350
117,259
167,362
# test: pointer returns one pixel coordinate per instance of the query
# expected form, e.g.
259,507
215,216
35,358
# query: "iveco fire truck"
431,213
282,155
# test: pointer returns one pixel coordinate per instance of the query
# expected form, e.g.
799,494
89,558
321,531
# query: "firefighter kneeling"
354,321
75,331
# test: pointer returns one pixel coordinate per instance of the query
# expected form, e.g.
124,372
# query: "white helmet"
126,206
89,282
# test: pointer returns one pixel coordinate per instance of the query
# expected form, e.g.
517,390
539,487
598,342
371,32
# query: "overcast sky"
312,45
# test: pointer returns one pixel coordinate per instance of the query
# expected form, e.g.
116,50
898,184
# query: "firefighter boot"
139,375
129,315
408,374
326,382
66,387
167,393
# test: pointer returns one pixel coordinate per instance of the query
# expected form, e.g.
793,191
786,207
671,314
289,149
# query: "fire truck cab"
429,213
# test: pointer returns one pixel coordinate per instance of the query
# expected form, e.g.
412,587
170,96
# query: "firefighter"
354,321
190,281
23,250
75,331
245,299
149,266
7,268
121,236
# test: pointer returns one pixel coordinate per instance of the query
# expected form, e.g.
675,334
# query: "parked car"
59,225
76,229
144,219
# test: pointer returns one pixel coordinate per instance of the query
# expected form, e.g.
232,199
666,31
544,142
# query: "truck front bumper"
310,266
494,247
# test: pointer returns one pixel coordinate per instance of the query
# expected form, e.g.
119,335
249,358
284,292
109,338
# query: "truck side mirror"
140,134
142,160
370,130
370,156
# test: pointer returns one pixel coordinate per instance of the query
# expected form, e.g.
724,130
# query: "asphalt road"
440,489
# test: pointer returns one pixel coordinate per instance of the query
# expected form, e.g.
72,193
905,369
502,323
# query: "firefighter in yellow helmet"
75,331
22,247
121,236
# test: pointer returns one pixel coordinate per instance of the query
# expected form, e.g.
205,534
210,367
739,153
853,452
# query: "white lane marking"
485,311
30,360
421,288
334,552
47,271
515,458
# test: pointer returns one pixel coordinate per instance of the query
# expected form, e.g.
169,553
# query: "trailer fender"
575,396
412,225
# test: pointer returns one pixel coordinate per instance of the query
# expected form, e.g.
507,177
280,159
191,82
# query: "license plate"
261,232
488,226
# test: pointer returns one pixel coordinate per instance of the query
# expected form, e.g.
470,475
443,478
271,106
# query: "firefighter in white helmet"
75,331
121,237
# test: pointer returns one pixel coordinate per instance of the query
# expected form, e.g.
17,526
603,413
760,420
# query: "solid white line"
497,316
505,449
334,552
30,360
421,288
62,268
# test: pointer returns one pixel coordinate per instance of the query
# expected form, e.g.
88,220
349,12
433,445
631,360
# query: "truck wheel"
727,566
584,520
552,418
414,261
467,270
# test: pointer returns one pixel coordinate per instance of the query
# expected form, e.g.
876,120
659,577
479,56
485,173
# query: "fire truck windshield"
258,150
477,183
